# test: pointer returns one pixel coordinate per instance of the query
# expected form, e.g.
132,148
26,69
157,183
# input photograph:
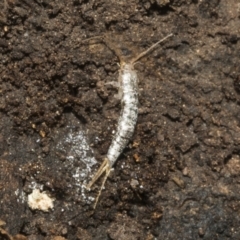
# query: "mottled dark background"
179,176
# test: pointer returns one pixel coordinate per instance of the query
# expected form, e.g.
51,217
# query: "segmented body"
128,81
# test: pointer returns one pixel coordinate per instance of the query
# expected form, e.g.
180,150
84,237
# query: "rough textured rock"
178,177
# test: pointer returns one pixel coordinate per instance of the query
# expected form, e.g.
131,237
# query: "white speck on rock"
80,159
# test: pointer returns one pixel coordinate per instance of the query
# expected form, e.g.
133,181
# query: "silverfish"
128,90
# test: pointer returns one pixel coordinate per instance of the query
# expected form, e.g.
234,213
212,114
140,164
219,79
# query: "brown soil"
179,176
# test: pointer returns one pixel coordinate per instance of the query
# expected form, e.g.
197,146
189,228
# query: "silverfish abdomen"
128,118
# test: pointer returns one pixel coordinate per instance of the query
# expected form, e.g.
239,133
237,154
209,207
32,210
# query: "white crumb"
40,201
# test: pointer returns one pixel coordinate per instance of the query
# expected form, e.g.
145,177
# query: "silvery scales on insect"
128,90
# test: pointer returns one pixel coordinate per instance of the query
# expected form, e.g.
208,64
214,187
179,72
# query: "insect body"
128,87
129,90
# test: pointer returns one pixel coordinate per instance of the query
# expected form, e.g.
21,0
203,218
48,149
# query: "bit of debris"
40,201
